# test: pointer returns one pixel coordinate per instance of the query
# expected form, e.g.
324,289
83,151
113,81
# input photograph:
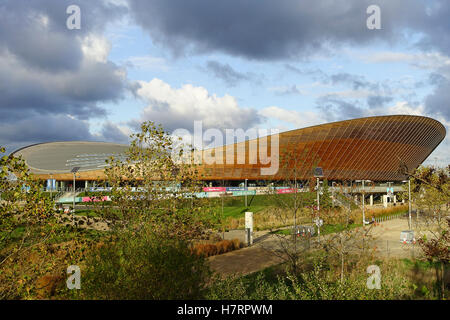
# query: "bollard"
249,227
248,236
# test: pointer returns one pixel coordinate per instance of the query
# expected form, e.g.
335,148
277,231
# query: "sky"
282,64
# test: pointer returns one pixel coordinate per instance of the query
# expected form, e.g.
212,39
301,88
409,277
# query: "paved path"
257,257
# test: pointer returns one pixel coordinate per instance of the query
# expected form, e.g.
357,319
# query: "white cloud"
430,60
352,94
148,63
179,108
299,119
96,48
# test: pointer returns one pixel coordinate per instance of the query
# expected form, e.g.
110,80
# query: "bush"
144,265
211,249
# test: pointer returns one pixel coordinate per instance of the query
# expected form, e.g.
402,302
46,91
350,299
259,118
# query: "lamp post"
409,203
318,173
363,200
245,192
74,171
51,185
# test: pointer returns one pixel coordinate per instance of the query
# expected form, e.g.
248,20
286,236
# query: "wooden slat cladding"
367,148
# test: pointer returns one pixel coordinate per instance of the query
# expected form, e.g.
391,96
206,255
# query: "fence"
389,217
397,249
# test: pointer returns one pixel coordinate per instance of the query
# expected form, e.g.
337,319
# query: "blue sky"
267,64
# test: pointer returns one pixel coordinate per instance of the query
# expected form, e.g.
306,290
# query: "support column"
385,201
371,200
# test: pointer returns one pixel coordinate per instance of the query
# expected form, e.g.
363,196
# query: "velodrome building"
369,148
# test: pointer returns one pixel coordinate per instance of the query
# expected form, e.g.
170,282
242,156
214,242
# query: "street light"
245,192
74,171
51,185
318,173
363,200
409,203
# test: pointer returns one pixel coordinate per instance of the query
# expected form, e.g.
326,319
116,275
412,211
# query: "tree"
290,208
430,190
348,240
24,213
155,216
156,184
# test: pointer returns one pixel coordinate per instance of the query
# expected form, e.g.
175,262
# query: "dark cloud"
266,29
51,128
53,78
36,33
36,128
333,108
227,73
357,82
110,132
27,92
438,102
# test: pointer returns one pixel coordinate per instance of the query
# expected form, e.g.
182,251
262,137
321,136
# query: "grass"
87,213
324,230
238,211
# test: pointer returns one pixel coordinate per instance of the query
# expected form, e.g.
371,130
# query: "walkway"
257,257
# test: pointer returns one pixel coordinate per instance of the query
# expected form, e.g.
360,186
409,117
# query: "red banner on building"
214,189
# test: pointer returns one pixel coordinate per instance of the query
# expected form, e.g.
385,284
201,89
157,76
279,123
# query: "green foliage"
144,265
325,198
317,283
22,201
154,186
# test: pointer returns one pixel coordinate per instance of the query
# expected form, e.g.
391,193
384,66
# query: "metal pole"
51,186
245,191
409,203
318,211
73,212
363,196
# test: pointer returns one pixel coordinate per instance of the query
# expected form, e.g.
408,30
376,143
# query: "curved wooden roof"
366,148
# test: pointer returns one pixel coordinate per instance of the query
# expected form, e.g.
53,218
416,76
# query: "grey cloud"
35,129
172,120
110,132
47,85
227,73
52,47
292,90
438,102
316,74
357,82
27,92
268,30
334,108
378,101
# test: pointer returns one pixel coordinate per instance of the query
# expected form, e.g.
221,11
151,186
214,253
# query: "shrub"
236,244
210,249
144,266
